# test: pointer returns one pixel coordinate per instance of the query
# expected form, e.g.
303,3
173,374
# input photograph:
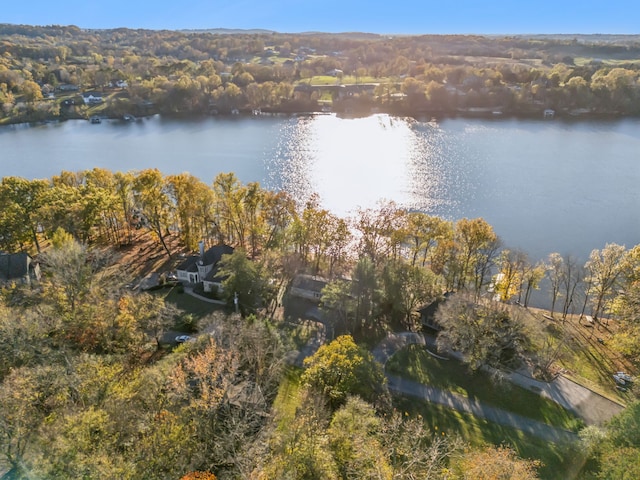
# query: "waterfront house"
428,313
308,287
204,267
92,98
18,268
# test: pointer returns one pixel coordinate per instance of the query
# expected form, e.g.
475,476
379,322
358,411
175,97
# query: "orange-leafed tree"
199,476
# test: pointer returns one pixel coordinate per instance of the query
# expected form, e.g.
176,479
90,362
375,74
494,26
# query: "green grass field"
559,462
415,363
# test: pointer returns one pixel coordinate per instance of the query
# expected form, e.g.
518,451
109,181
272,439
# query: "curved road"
479,409
396,341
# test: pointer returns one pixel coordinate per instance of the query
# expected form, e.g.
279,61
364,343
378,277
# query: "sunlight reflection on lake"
349,163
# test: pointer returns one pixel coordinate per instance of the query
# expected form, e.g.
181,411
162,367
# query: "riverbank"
342,111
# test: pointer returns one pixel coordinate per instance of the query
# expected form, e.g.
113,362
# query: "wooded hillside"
45,70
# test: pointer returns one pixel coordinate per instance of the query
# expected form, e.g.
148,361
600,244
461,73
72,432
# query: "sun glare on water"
354,163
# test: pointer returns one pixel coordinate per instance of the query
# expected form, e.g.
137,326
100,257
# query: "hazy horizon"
406,17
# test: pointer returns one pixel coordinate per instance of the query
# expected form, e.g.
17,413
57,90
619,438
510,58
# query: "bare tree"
571,278
554,269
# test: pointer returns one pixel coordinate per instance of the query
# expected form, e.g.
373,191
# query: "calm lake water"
545,186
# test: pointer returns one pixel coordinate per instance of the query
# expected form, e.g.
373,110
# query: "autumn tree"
277,214
104,209
531,276
193,200
495,462
70,271
228,215
153,315
27,396
25,337
21,203
414,450
626,306
605,269
510,265
570,282
476,248
405,288
355,440
342,368
150,192
376,231
315,231
486,333
616,446
423,232
31,91
301,448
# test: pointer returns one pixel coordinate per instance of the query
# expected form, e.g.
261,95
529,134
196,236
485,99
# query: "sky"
373,16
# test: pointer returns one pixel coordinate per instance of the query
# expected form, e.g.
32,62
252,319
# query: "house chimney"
201,247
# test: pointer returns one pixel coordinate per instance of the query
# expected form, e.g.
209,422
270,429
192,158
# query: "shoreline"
416,115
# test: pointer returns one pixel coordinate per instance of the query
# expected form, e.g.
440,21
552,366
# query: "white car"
183,338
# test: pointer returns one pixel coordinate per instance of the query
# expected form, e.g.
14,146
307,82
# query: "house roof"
214,275
214,254
210,257
190,264
14,265
309,283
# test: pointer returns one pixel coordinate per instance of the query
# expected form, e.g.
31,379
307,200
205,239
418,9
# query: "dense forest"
92,389
49,72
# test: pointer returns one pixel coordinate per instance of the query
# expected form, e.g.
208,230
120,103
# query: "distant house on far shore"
18,268
92,98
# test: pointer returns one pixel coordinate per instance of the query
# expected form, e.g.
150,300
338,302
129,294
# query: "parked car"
184,338
622,378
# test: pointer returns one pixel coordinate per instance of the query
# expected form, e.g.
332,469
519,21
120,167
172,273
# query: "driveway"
592,407
479,409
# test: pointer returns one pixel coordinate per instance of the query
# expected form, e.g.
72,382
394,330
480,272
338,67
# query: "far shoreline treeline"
63,72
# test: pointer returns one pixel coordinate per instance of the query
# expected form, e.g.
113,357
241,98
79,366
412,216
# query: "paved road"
396,341
493,414
564,391
592,407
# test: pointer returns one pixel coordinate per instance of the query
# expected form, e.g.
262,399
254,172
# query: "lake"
545,186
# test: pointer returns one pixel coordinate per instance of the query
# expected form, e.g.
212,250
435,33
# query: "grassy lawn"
345,80
561,462
288,397
611,62
415,363
300,333
187,303
585,359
